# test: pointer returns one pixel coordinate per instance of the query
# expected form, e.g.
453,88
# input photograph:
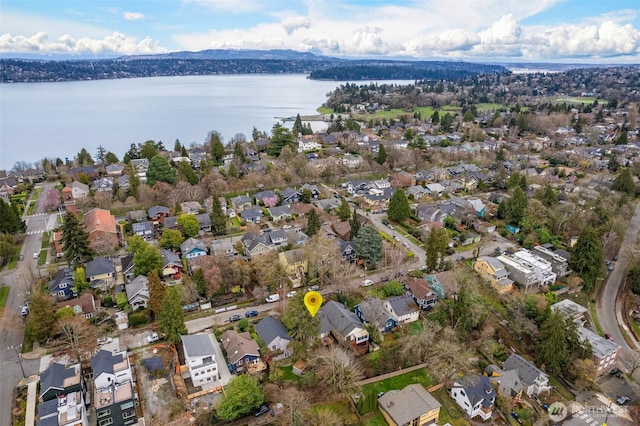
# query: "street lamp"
19,355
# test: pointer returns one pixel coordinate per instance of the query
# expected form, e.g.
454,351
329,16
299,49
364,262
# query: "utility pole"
19,355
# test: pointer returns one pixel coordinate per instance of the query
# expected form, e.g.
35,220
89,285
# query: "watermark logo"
557,412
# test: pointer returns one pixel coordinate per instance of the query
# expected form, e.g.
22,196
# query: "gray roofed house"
279,213
123,182
103,184
508,382
252,215
110,367
605,351
100,268
403,309
137,216
255,244
277,237
158,214
138,292
144,229
241,202
223,248
171,264
114,169
192,248
60,380
372,311
204,221
411,405
191,207
346,326
241,348
196,345
315,192
535,381
475,395
290,195
275,337
570,309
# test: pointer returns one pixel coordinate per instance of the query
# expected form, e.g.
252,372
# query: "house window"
128,414
104,413
273,348
207,360
105,422
61,293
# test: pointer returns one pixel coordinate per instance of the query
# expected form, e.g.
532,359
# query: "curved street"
610,301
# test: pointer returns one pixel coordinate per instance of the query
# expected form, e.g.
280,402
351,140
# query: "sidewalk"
32,395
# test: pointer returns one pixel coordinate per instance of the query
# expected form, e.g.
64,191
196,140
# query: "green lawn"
4,294
341,408
374,419
325,110
235,222
288,373
580,100
487,107
421,376
42,259
449,412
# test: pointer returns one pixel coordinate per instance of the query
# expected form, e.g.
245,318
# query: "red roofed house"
84,305
101,227
421,293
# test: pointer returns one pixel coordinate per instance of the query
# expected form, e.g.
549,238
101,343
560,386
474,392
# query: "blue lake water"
39,120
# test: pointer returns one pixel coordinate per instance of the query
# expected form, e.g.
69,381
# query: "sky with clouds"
600,31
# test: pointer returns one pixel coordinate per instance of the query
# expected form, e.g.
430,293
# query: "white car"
153,337
272,298
104,340
366,283
292,293
36,255
24,311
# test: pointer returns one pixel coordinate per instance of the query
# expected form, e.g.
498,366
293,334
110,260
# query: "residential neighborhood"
463,256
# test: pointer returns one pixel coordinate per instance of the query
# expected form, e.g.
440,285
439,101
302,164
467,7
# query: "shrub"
138,319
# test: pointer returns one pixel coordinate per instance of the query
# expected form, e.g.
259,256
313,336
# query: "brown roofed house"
101,226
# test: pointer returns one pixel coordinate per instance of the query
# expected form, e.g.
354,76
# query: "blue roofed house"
275,338
290,196
62,287
193,248
372,311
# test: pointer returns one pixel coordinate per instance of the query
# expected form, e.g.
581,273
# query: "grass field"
490,107
4,294
420,376
580,100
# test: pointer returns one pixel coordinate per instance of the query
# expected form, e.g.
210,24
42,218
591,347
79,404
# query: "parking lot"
615,387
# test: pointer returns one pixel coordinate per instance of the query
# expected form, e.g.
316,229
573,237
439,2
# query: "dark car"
264,408
608,336
235,318
250,314
614,371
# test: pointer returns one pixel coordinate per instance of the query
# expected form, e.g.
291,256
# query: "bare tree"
79,335
339,370
297,406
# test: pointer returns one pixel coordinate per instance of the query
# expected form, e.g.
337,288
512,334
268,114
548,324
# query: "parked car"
36,254
264,408
610,266
21,257
615,257
24,311
153,337
623,400
292,293
387,224
366,283
272,298
233,318
104,340
608,336
250,314
314,288
614,371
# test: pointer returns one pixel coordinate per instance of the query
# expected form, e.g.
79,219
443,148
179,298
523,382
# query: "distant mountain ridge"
228,54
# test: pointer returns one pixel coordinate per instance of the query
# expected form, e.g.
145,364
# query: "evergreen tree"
313,223
297,126
75,241
134,182
80,280
549,197
354,224
382,155
218,219
84,158
177,146
500,155
613,164
435,118
238,153
200,282
302,327
186,173
586,257
157,292
552,349
399,208
280,137
183,152
233,171
160,171
624,182
217,149
623,139
344,212
436,248
10,221
171,320
111,158
101,154
148,150
368,244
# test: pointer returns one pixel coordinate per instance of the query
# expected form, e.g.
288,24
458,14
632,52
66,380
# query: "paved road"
11,323
609,302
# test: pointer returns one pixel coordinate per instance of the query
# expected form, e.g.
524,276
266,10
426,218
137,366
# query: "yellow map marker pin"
313,301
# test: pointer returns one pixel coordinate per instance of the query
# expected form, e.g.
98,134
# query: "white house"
110,368
403,309
305,144
475,395
200,358
275,337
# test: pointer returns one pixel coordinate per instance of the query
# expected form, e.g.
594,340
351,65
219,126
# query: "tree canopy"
218,219
243,394
171,239
280,137
313,223
624,182
146,258
171,318
75,241
368,244
382,155
586,256
10,221
217,149
399,208
188,224
160,171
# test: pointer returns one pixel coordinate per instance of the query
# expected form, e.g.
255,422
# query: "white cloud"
293,23
235,6
115,43
133,16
